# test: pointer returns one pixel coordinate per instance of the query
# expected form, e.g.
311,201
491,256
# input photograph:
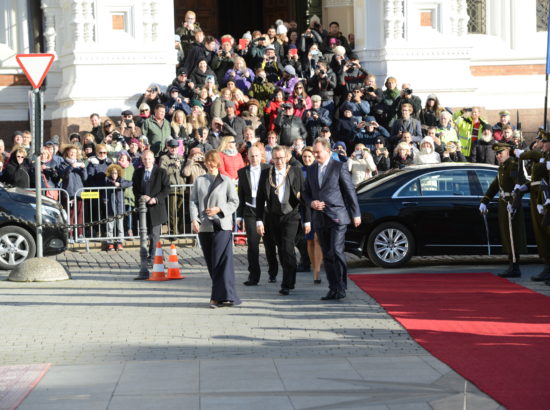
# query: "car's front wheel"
390,245
16,245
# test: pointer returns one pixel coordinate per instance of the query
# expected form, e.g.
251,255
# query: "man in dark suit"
328,190
249,178
279,193
152,185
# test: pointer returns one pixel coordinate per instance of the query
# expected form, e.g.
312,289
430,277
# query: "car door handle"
410,203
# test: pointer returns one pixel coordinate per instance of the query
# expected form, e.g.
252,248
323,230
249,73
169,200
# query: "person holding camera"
187,30
315,119
175,102
184,86
299,99
261,89
271,64
323,83
370,132
381,156
446,128
406,97
405,124
201,74
172,162
194,166
240,74
152,97
127,126
361,164
288,80
371,93
452,153
429,116
293,59
348,126
115,143
289,126
224,58
353,75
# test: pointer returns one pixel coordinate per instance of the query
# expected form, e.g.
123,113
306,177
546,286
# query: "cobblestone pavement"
104,325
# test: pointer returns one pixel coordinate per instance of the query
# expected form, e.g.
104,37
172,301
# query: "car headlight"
51,212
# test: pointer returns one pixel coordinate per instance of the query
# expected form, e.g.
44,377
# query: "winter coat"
128,174
157,134
199,78
231,164
175,173
96,171
465,128
73,178
16,174
427,158
242,82
313,126
261,91
289,128
114,198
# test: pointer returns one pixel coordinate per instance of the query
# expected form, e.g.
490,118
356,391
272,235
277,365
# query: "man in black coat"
152,185
279,197
249,178
289,126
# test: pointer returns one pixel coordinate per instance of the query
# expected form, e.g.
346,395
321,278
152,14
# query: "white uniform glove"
521,188
93,160
510,208
518,152
540,209
547,202
483,208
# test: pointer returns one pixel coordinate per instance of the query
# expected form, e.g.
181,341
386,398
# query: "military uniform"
504,184
542,234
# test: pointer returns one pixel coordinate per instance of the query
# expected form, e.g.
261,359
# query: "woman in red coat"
231,160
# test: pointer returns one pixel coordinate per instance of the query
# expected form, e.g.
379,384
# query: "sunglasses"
102,152
144,110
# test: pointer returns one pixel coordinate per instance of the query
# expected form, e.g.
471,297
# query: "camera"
359,154
408,91
322,72
369,89
128,122
300,103
285,106
117,136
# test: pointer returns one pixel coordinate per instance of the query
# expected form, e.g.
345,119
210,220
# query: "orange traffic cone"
158,265
173,265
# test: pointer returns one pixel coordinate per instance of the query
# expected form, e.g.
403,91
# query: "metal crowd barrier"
95,207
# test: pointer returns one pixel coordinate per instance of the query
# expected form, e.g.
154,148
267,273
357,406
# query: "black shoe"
341,294
331,295
291,287
513,271
272,279
284,292
317,281
542,276
141,277
250,283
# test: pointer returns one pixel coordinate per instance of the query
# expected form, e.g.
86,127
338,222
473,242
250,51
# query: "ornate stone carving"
388,19
77,21
49,28
154,20
337,3
89,20
399,20
463,18
394,20
146,18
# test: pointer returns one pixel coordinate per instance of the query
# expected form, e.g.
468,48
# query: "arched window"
477,11
542,15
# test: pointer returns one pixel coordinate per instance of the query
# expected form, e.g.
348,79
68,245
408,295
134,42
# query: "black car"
428,210
17,236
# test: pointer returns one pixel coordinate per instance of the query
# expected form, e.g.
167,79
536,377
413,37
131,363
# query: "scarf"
230,152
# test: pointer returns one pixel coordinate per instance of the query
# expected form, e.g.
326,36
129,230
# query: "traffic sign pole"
37,131
36,67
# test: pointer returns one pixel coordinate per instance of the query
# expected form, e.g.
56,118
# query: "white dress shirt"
280,181
254,181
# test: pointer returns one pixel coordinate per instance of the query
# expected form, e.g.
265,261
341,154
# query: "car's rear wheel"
390,245
16,245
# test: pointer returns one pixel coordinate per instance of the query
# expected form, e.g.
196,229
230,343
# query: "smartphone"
293,51
242,43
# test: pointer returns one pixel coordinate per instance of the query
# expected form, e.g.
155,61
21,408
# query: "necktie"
321,174
147,176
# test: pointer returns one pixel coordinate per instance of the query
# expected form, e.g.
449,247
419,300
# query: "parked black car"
428,210
17,238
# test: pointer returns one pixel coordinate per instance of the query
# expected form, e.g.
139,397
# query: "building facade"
487,53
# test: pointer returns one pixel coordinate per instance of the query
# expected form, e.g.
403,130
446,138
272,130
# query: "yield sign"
35,66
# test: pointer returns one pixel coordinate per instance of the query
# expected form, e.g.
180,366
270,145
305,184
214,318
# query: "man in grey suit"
328,190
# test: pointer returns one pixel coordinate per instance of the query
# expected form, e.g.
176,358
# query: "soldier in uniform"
539,172
514,241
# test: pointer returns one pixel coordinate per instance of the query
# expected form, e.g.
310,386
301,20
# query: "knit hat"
341,144
290,70
316,98
196,103
247,35
144,106
339,51
281,29
133,141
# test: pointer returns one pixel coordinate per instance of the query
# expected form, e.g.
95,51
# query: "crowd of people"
245,99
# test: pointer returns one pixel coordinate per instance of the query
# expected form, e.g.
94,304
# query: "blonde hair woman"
240,74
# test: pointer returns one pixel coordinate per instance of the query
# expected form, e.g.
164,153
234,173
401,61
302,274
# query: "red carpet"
491,331
17,381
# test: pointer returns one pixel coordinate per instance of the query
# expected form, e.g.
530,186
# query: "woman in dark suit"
213,201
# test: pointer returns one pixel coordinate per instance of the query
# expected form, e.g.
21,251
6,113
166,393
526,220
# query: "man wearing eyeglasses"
278,203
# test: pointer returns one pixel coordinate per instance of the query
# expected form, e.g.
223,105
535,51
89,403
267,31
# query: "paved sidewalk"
119,344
